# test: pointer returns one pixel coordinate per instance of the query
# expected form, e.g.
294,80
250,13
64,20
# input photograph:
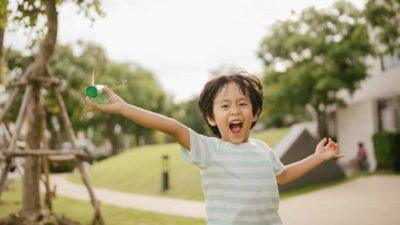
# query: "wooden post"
41,152
65,118
45,165
4,174
21,117
67,124
64,115
12,151
8,104
13,142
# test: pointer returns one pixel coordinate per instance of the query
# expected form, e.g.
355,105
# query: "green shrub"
62,167
387,150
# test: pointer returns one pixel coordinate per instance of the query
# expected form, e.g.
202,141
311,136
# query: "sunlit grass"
139,170
83,212
271,136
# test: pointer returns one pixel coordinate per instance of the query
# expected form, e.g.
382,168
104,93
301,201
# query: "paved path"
368,200
157,204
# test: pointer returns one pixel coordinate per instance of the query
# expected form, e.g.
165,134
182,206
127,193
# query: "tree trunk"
31,206
321,124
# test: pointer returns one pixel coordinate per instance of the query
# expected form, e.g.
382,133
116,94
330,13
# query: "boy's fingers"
322,142
90,103
339,156
108,90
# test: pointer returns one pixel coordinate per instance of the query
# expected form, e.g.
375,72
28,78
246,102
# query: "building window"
390,61
389,114
331,124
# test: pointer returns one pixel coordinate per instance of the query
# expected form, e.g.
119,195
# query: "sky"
180,41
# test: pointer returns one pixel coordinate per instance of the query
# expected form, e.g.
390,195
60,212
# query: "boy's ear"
211,121
256,116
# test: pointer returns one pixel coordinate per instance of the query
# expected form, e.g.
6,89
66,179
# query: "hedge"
62,167
387,150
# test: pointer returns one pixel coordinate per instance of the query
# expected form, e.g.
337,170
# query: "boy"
239,175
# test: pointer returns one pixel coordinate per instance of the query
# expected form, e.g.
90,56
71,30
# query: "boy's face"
233,114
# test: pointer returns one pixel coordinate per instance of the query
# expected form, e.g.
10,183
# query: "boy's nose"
235,111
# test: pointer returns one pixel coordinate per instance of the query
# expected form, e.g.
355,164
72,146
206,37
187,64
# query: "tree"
189,114
142,89
75,69
384,16
309,59
29,11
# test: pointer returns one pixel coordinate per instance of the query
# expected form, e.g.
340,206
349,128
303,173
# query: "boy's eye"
242,104
224,106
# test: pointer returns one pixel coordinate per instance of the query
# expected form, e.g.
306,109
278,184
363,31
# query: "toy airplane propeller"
96,93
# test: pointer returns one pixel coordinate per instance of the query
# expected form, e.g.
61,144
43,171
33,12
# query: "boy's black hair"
248,84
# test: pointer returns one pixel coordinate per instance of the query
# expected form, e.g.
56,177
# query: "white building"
374,107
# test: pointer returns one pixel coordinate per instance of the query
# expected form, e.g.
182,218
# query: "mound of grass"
139,170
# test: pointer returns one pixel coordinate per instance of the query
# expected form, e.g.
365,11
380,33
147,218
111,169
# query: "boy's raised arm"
158,122
322,153
144,118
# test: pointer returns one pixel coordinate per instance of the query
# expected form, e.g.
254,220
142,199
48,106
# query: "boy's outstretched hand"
113,106
328,150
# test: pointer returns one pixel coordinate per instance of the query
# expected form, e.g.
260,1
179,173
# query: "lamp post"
165,177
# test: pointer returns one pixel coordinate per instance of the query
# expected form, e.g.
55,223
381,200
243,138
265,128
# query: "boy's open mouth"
235,126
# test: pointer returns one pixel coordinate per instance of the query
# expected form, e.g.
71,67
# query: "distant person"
239,175
360,162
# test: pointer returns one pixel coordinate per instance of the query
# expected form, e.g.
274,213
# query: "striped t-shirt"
239,180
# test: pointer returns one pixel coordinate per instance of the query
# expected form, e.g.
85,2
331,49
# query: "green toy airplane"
96,94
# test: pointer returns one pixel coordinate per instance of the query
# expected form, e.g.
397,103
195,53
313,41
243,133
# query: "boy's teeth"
235,126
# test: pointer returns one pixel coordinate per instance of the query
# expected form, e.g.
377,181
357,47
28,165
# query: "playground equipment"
43,152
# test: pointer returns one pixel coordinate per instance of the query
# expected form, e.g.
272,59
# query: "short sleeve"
200,148
276,164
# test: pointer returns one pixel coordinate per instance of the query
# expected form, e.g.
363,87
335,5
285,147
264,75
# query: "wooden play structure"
43,153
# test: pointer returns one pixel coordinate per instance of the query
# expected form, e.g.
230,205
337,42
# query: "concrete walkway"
365,201
368,200
172,206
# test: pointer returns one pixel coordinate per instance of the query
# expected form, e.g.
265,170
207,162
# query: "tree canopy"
73,64
311,57
384,17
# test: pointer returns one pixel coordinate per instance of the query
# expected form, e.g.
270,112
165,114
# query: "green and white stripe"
239,181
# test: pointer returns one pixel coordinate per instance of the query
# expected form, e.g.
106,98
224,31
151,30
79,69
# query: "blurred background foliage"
307,59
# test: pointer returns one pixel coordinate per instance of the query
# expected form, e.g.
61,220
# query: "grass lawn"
139,170
83,212
271,136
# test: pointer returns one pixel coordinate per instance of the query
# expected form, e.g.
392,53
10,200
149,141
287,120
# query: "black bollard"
165,177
